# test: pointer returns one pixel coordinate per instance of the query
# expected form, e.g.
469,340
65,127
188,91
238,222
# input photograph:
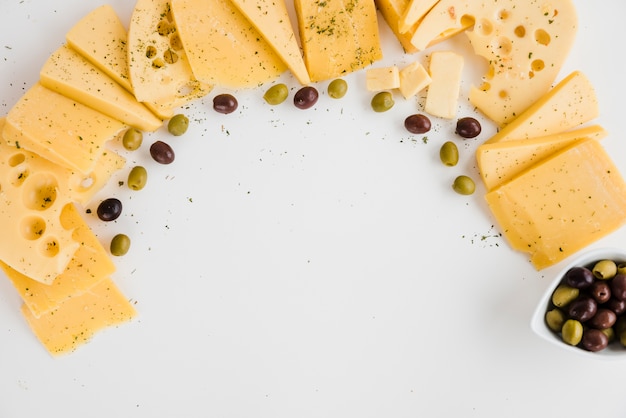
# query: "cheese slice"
59,129
271,19
338,37
392,11
414,13
445,70
572,102
382,78
562,204
524,44
499,162
413,79
69,74
157,61
91,264
75,321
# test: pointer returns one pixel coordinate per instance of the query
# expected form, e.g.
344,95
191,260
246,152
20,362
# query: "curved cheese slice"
524,44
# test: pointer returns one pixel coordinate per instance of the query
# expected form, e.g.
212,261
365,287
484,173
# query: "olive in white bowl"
584,308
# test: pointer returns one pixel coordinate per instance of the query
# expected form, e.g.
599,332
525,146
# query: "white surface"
311,264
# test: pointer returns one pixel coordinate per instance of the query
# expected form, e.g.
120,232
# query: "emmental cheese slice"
68,73
562,204
75,321
271,19
572,102
338,37
499,162
524,44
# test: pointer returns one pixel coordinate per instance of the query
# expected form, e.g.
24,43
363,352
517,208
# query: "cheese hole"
503,94
484,27
151,52
537,65
504,14
158,63
170,56
16,159
164,28
502,46
542,37
175,43
520,31
39,191
50,247
485,86
19,177
87,182
32,227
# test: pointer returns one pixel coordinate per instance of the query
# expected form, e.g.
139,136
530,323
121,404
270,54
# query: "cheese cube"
385,78
413,79
444,89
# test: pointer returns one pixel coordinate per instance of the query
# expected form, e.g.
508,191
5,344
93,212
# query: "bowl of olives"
584,309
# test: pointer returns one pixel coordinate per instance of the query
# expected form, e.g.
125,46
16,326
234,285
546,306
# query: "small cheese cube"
413,79
385,78
443,92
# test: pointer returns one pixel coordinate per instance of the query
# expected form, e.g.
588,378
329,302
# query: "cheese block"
338,37
414,13
413,79
445,70
382,78
59,129
572,102
524,43
91,264
499,162
68,73
271,19
75,321
157,61
562,204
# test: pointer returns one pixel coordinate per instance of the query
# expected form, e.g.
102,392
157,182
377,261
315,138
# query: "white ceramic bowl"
538,324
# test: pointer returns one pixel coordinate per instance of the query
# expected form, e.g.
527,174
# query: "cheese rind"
562,204
445,70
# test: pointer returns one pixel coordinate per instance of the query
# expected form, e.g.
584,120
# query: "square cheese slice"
562,204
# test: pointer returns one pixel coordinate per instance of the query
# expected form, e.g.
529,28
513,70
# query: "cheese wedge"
69,74
338,37
90,264
271,19
500,162
157,61
445,70
75,321
572,102
524,44
414,13
392,11
562,204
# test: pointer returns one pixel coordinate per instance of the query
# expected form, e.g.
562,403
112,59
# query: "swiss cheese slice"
338,37
271,19
75,321
90,264
562,204
499,162
572,102
59,129
71,75
223,47
524,44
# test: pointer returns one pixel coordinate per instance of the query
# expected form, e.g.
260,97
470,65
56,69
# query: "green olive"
449,153
604,269
132,139
555,318
563,295
120,244
178,124
464,185
337,88
621,268
137,178
610,333
382,101
572,332
276,94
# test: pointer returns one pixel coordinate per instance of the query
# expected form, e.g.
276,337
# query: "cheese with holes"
562,204
572,102
90,265
445,70
382,78
158,64
69,74
338,37
524,44
59,129
223,47
75,321
413,79
271,19
499,162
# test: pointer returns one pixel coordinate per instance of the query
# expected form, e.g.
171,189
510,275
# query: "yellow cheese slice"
271,19
75,321
223,47
523,43
413,79
499,162
414,13
392,11
338,37
59,129
157,61
572,102
90,264
445,70
69,74
382,78
562,204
